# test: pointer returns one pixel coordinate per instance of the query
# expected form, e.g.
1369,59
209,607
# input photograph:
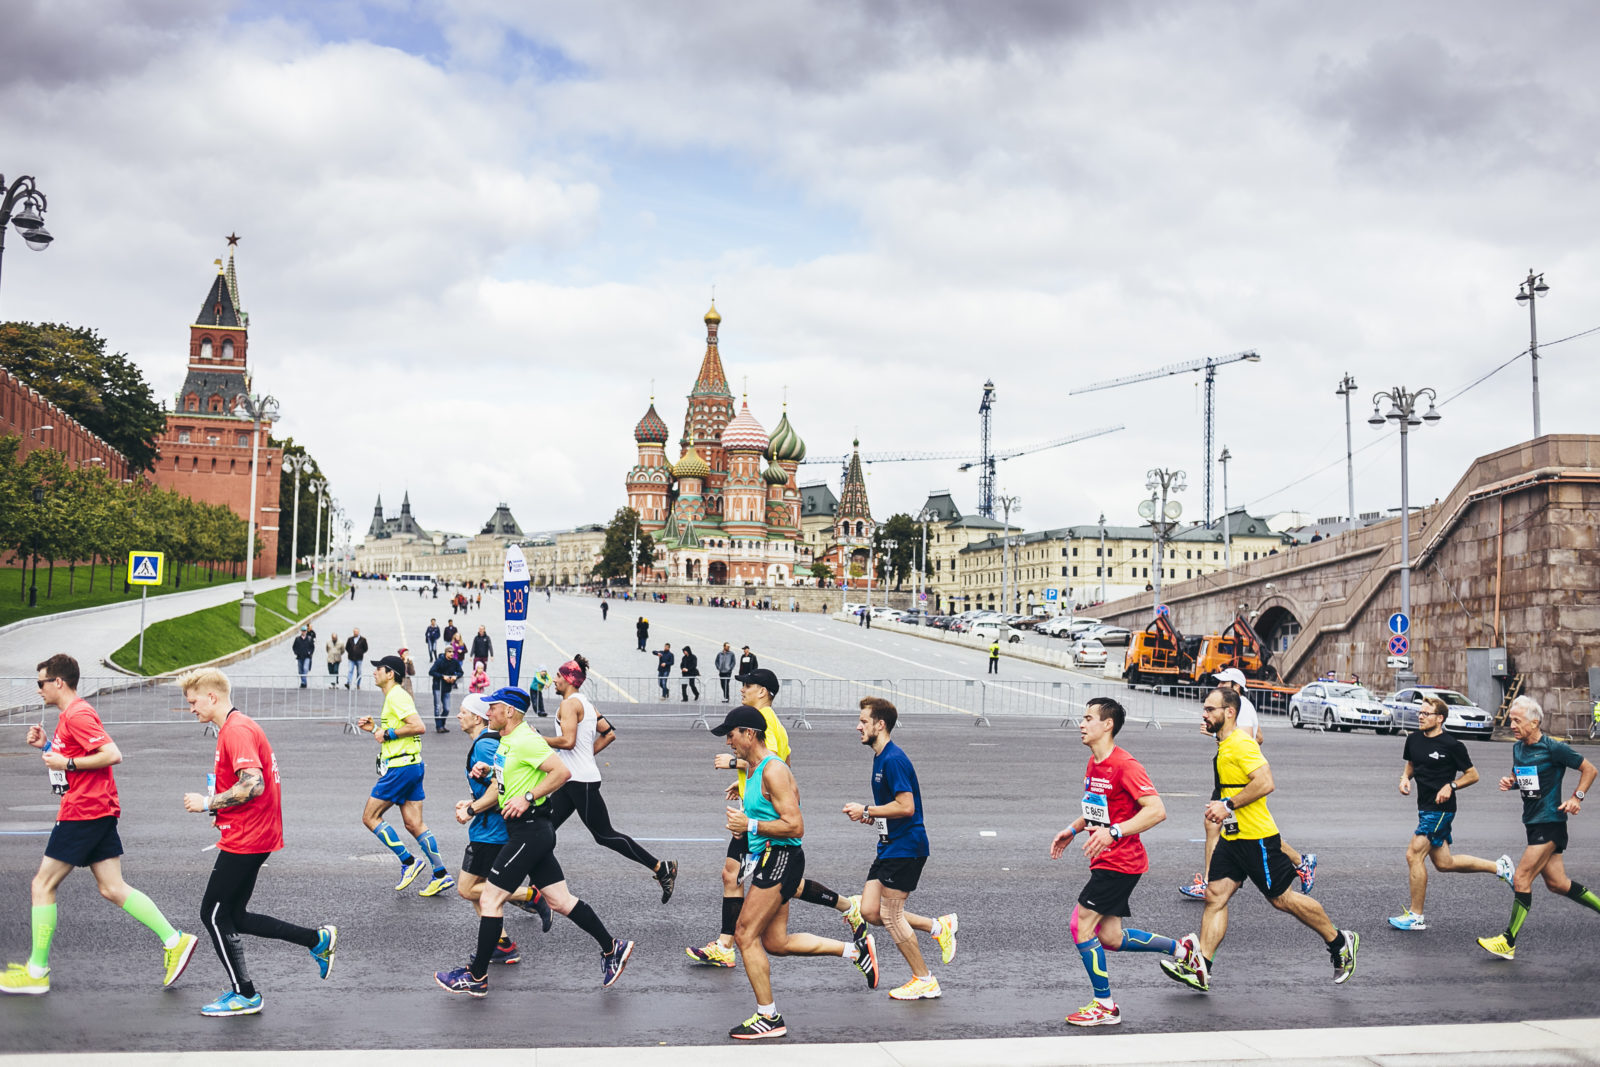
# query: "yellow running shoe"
918,989
947,936
17,980
408,874
437,886
1497,945
712,955
853,919
176,958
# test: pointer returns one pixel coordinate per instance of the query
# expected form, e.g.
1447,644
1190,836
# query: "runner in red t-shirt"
248,812
79,758
1119,803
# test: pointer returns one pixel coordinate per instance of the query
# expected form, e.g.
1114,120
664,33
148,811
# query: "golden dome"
712,318
690,465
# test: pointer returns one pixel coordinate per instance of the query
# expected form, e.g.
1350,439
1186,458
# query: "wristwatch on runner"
1577,794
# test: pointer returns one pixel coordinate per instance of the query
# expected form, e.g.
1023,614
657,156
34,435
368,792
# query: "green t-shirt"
397,708
516,763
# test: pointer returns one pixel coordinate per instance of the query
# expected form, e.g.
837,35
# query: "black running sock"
731,906
1587,897
490,928
1519,915
590,924
1336,944
816,893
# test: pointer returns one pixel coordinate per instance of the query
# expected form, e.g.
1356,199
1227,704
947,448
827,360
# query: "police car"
1462,716
1340,705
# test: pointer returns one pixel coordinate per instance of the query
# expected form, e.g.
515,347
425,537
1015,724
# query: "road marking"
988,833
681,839
592,674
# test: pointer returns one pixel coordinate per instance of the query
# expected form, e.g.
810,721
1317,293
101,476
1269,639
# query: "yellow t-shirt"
1238,755
397,708
777,741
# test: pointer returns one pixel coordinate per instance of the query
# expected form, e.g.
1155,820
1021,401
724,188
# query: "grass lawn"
207,634
13,608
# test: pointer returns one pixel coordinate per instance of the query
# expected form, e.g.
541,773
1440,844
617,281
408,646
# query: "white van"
412,581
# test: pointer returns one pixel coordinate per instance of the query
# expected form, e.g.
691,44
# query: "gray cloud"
50,43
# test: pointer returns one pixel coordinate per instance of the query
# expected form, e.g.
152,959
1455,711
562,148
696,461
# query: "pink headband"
571,673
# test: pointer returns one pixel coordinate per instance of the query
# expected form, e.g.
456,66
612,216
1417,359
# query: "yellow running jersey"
777,741
1237,756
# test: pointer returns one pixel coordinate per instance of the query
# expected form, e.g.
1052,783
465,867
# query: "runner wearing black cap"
770,817
583,733
526,773
758,687
398,731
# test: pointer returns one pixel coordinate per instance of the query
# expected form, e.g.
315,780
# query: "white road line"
593,674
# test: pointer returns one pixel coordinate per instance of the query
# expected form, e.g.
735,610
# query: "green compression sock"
44,931
144,909
1519,914
1586,897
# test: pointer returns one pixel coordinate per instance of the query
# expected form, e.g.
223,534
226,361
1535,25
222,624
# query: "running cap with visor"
511,697
1232,674
742,717
392,663
476,705
762,677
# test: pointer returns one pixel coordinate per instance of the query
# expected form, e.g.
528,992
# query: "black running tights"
222,910
585,799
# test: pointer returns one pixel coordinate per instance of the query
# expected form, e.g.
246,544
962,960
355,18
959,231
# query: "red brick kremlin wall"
25,413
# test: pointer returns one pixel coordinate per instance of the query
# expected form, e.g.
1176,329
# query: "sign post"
144,570
514,585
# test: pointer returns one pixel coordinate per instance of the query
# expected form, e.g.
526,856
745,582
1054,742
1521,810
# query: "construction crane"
1209,365
967,459
986,474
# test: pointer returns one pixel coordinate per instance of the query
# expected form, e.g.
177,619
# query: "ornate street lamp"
259,409
297,464
317,485
29,221
1403,410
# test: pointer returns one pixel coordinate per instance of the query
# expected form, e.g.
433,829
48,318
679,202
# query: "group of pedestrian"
688,666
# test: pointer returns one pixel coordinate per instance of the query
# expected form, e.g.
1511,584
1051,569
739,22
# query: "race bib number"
747,865
1096,809
58,782
382,766
1527,781
881,825
1230,825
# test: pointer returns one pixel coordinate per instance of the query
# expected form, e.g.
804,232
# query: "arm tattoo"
249,786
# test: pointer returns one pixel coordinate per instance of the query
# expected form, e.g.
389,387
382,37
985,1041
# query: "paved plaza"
993,795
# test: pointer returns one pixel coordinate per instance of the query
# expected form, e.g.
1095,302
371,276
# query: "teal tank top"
757,806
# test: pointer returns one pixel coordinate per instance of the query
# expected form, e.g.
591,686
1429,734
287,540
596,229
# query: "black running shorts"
528,856
901,873
479,858
84,842
1539,833
1107,892
738,846
781,867
1259,860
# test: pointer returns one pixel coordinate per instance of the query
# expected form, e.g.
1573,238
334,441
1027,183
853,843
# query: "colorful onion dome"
786,446
712,317
690,465
744,433
651,429
775,475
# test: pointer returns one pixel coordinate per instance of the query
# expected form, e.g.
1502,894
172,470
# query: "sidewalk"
93,636
1556,1041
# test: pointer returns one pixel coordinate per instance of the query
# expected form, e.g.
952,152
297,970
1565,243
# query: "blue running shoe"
1195,890
231,1003
1307,871
327,937
615,961
537,906
460,980
1408,920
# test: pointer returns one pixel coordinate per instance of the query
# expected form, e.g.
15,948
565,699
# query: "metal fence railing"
132,701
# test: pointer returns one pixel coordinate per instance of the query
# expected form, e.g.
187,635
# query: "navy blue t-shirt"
893,774
1538,769
488,827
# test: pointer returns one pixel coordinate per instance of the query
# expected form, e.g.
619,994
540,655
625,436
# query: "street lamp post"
889,545
1103,567
260,409
1008,502
1162,513
1532,287
29,220
317,485
925,516
1227,540
1347,389
633,554
297,464
1403,410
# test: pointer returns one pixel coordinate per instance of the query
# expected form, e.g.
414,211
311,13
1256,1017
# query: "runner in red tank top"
246,807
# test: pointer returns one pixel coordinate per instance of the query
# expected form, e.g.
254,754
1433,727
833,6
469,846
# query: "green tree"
821,571
105,391
903,530
616,555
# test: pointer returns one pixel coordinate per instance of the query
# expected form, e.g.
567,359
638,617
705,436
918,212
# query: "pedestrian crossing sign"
145,568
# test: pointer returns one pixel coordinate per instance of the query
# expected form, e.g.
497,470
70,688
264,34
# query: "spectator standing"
480,680
450,632
747,662
537,685
689,667
335,648
431,634
411,672
355,652
482,647
305,646
641,630
724,664
445,672
664,661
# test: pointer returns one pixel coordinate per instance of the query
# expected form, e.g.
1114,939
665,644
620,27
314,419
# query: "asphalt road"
994,797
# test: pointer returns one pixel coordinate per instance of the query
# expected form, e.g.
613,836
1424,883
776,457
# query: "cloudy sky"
475,233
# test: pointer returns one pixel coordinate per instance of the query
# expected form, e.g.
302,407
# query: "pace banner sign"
515,584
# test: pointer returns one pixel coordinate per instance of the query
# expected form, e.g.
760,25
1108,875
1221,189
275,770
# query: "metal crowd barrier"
125,701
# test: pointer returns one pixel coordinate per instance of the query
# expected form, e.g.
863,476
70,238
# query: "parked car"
1462,716
988,632
1087,652
1340,705
1056,627
1109,635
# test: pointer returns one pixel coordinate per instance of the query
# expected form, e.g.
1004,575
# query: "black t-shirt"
1435,762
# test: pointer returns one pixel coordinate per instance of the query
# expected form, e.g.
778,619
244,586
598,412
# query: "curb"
232,657
75,612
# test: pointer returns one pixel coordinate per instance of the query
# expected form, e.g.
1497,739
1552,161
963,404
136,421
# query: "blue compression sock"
1140,941
1094,961
391,840
430,849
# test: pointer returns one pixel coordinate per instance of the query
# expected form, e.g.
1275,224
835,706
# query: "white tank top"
580,757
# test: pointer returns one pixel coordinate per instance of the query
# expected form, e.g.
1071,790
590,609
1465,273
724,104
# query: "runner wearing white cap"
1233,679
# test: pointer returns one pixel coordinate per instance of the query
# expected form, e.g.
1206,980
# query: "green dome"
786,446
775,475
